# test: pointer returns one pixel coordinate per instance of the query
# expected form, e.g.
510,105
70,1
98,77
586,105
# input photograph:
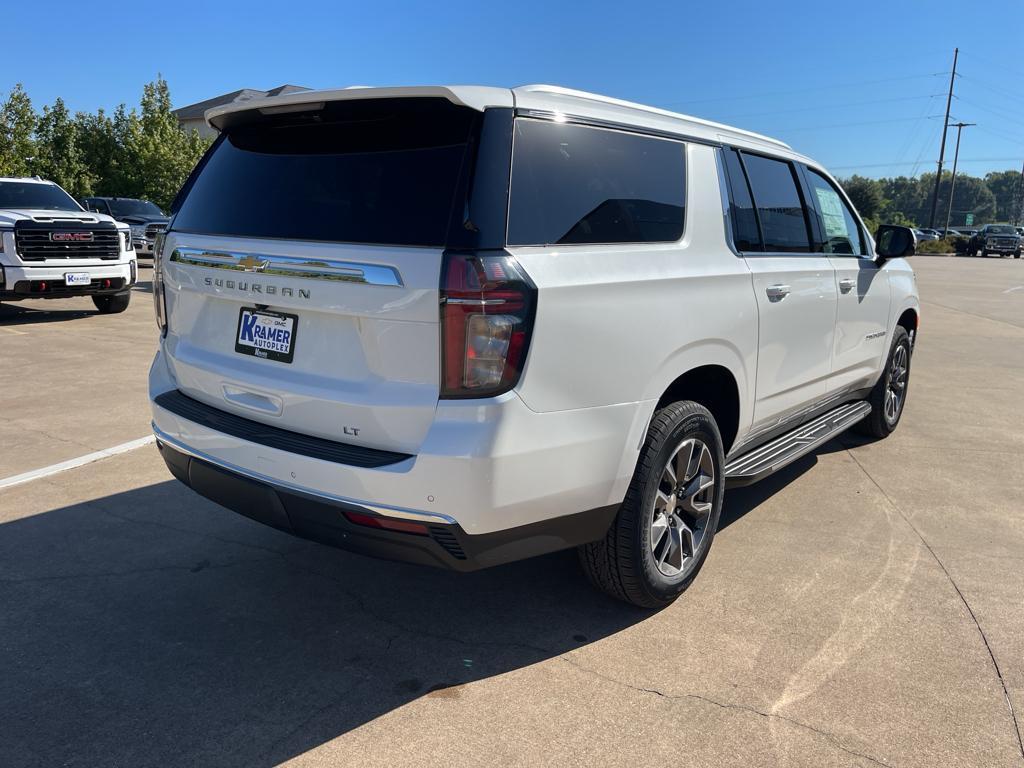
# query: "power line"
820,107
962,161
829,87
799,128
942,145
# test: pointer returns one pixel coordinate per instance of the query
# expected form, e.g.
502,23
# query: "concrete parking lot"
864,607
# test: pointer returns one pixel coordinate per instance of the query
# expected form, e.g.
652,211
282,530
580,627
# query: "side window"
840,231
745,233
779,207
578,184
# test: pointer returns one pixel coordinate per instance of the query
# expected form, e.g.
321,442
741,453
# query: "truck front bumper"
47,281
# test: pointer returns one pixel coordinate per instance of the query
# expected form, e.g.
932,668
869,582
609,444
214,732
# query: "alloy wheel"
896,392
682,506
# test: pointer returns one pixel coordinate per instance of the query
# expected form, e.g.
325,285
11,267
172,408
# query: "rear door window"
582,184
745,233
780,208
379,171
841,234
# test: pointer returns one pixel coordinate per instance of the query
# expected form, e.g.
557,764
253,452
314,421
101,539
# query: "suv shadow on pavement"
151,628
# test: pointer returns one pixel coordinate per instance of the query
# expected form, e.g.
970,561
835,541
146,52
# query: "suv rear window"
381,171
579,184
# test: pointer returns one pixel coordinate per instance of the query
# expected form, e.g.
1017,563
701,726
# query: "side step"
773,456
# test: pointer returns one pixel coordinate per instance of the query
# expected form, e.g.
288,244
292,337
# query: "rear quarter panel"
619,323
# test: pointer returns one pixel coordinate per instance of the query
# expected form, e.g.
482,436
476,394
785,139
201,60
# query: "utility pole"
952,185
942,147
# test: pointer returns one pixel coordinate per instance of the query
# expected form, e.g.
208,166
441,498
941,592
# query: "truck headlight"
138,230
126,237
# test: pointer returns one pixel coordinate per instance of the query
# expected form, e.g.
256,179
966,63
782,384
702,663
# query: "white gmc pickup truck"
50,248
464,325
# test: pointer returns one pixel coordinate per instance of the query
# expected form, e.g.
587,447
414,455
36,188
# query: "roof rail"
586,95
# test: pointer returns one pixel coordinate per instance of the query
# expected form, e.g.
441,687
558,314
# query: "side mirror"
893,242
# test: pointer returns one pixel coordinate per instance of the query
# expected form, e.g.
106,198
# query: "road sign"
969,220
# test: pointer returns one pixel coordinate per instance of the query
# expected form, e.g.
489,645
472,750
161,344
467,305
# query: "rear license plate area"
265,334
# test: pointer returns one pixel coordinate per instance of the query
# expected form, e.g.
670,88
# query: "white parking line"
89,458
1016,288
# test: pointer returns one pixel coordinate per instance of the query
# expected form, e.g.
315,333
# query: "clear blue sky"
859,86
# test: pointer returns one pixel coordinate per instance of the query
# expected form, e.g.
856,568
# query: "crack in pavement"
832,738
973,314
956,588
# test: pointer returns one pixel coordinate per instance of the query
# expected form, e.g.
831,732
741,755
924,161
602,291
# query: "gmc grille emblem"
71,237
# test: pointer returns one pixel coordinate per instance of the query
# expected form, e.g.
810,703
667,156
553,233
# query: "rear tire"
663,531
112,305
889,395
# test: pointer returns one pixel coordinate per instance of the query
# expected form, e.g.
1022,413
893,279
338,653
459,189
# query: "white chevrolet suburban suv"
51,248
464,325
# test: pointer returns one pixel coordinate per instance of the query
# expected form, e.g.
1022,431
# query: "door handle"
777,292
846,285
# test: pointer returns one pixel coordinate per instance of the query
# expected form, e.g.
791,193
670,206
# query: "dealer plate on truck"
270,335
77,278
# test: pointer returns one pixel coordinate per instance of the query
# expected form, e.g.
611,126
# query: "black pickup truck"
142,216
998,239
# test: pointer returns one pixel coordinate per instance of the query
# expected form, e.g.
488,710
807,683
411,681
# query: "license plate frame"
266,348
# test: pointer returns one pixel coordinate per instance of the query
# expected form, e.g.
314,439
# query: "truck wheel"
663,531
112,305
889,395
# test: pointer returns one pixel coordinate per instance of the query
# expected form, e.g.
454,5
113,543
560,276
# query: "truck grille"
36,241
153,229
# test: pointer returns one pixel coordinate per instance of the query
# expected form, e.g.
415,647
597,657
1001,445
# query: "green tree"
1005,185
17,133
866,195
162,154
58,155
97,147
907,197
970,196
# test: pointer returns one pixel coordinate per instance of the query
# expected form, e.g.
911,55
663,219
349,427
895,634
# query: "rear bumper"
324,520
485,466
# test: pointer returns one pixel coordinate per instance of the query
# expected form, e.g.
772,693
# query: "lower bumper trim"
324,521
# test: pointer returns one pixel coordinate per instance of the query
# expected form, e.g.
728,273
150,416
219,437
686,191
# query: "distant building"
191,117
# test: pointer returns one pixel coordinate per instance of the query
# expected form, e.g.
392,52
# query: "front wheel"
661,536
889,395
112,305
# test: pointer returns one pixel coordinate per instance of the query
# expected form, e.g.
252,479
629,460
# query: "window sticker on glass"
832,213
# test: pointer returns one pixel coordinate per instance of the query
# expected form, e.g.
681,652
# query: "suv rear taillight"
487,309
159,301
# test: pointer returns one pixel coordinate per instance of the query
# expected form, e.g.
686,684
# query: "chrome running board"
773,456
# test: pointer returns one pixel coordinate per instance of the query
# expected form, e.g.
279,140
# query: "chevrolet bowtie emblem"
253,263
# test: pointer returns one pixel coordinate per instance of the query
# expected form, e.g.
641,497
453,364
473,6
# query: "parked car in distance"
926,234
465,325
143,217
52,249
1000,239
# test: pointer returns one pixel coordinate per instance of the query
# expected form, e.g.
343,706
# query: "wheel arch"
716,388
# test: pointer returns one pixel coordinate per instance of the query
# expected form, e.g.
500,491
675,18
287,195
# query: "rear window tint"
374,171
779,207
578,184
745,233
